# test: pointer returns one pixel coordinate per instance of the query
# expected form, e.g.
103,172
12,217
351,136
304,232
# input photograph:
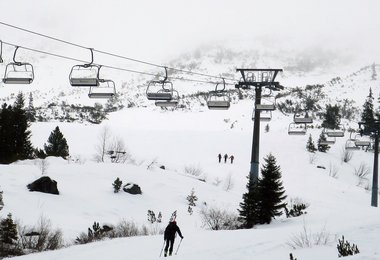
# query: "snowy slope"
313,42
176,140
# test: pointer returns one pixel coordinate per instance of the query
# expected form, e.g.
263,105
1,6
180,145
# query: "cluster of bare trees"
111,148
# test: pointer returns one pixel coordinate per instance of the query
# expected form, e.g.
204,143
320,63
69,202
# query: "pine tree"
368,117
271,191
23,145
331,117
322,147
310,146
250,207
8,237
117,185
57,144
15,141
31,111
6,135
192,198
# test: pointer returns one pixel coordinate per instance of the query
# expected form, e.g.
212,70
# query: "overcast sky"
155,29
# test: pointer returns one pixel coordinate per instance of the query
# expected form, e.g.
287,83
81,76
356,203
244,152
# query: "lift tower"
373,130
258,79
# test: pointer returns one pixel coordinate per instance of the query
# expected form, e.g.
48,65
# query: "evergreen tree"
8,237
322,147
57,144
271,191
31,111
331,117
192,198
14,134
310,146
368,117
23,146
250,207
6,135
117,185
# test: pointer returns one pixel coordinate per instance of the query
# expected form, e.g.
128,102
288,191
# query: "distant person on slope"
232,159
225,158
169,236
220,157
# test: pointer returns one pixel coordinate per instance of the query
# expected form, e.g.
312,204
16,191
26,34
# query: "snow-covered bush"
362,173
346,249
219,219
122,229
192,198
306,238
117,185
151,216
194,170
228,183
295,208
40,237
94,234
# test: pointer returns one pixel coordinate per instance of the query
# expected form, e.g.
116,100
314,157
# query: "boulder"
45,185
162,167
132,188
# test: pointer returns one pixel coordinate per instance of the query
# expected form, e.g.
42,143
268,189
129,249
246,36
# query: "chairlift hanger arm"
92,58
1,51
14,56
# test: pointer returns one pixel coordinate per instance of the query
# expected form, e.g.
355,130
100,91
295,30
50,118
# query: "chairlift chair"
335,132
266,76
265,116
302,119
168,103
160,89
105,89
295,129
85,75
267,104
328,141
250,77
350,145
218,99
18,72
361,142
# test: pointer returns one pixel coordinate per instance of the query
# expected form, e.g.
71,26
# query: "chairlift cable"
114,55
105,66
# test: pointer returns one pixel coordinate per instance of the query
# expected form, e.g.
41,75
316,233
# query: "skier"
225,158
232,159
169,236
220,157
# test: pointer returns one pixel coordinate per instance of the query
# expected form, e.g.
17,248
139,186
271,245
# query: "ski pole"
178,246
162,248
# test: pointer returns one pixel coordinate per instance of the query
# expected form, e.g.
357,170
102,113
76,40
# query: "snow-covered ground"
313,41
179,139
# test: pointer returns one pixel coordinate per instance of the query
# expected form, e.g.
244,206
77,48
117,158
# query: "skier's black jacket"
170,231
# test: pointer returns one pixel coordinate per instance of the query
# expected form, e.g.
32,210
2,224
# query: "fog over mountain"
311,35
